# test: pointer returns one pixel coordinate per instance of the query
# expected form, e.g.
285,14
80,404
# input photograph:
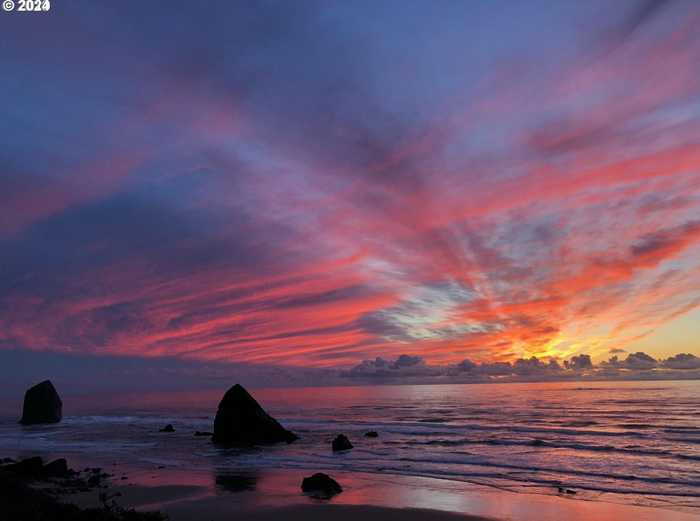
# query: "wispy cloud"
311,186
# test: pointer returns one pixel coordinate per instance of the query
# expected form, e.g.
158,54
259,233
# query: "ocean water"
624,442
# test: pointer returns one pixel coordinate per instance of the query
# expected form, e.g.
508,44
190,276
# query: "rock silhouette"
42,404
241,421
56,469
22,500
321,485
341,442
34,468
27,468
371,434
168,428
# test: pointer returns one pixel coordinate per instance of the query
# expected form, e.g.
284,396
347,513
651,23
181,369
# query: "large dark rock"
56,469
42,404
321,485
341,442
20,501
27,468
241,421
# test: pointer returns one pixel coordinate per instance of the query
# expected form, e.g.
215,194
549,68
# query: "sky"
316,184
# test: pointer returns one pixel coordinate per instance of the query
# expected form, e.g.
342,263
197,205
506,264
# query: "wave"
557,470
131,420
475,470
548,444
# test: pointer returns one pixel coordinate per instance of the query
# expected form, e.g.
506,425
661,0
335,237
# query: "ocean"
624,442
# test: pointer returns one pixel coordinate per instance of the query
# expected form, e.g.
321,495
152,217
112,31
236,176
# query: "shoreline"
524,466
271,493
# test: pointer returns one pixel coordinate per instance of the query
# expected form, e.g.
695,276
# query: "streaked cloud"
310,186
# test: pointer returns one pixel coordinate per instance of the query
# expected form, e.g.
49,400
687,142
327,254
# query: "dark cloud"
663,239
579,363
402,367
536,367
324,297
76,373
640,361
635,362
645,12
415,370
496,369
682,361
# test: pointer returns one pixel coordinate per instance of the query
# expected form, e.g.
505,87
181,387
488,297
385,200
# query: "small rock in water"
321,486
371,434
341,442
538,443
168,428
569,491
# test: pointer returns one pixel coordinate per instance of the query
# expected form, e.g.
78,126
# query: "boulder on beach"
22,500
56,469
341,442
28,468
241,421
168,428
42,404
371,434
321,485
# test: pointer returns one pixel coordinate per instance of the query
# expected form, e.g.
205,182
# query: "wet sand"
322,512
276,495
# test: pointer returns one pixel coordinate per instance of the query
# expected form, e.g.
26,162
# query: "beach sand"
321,512
276,495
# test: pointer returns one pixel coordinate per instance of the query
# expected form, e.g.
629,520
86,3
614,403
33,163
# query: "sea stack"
42,405
240,421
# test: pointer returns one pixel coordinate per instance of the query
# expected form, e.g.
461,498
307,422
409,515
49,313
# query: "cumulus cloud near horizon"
80,374
635,365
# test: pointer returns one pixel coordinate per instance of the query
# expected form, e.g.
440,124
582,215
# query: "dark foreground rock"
56,469
321,485
371,434
29,468
341,442
168,428
241,421
42,404
21,501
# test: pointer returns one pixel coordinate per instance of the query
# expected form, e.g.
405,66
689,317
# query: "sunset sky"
318,183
